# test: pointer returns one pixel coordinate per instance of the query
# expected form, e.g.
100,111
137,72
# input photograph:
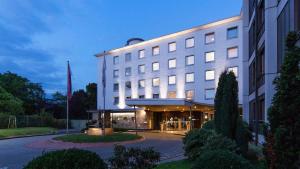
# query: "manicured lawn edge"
180,164
53,132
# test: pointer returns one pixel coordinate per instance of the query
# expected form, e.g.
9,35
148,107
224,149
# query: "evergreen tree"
283,140
218,103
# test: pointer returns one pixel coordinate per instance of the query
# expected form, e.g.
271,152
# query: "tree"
91,91
78,106
283,139
57,105
9,104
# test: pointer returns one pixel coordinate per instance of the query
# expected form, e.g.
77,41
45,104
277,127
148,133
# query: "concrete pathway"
15,153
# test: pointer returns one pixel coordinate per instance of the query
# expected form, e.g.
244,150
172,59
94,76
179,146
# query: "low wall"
78,124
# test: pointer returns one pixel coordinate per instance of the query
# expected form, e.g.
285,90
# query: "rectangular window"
141,54
297,15
141,96
155,66
261,67
252,77
172,94
209,94
172,63
234,70
116,73
128,71
189,60
155,82
232,52
252,39
210,75
142,69
116,100
128,85
189,78
232,33
172,80
141,84
189,94
172,47
209,38
155,96
116,60
127,57
116,87
210,56
155,50
189,43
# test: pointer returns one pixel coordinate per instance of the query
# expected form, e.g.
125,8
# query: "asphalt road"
14,153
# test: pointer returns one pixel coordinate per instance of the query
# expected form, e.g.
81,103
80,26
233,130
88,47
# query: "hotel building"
170,81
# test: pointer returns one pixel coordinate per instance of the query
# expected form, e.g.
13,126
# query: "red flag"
69,87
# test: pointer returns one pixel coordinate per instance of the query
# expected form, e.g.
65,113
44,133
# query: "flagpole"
67,97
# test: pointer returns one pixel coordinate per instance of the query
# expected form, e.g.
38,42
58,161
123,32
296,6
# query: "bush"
219,142
67,159
133,158
221,159
120,130
4,118
210,125
195,140
242,136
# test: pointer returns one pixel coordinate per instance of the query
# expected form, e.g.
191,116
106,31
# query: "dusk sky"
37,37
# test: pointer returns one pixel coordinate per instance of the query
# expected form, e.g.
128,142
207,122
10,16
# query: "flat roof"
186,31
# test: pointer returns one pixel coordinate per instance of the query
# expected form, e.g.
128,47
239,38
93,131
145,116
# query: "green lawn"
181,164
6,133
83,138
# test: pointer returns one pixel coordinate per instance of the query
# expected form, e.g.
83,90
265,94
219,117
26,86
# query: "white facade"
173,50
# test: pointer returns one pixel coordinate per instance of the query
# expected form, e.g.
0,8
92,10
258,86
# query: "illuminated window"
155,50
172,47
209,56
116,87
116,73
209,93
155,82
155,66
189,60
209,38
172,80
141,54
116,100
141,84
128,85
172,94
142,69
127,57
232,33
172,63
189,94
232,52
234,70
128,71
209,75
116,60
189,78
189,43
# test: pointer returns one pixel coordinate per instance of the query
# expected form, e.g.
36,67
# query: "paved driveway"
15,153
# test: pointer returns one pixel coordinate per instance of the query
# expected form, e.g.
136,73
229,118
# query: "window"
141,54
232,52
260,19
172,63
128,85
155,66
155,82
142,69
234,70
127,57
116,100
116,60
261,67
210,75
252,39
116,73
189,43
172,94
232,33
297,15
209,38
209,93
155,50
189,94
172,47
116,87
209,56
128,71
155,96
189,78
141,84
172,80
141,96
189,60
252,77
